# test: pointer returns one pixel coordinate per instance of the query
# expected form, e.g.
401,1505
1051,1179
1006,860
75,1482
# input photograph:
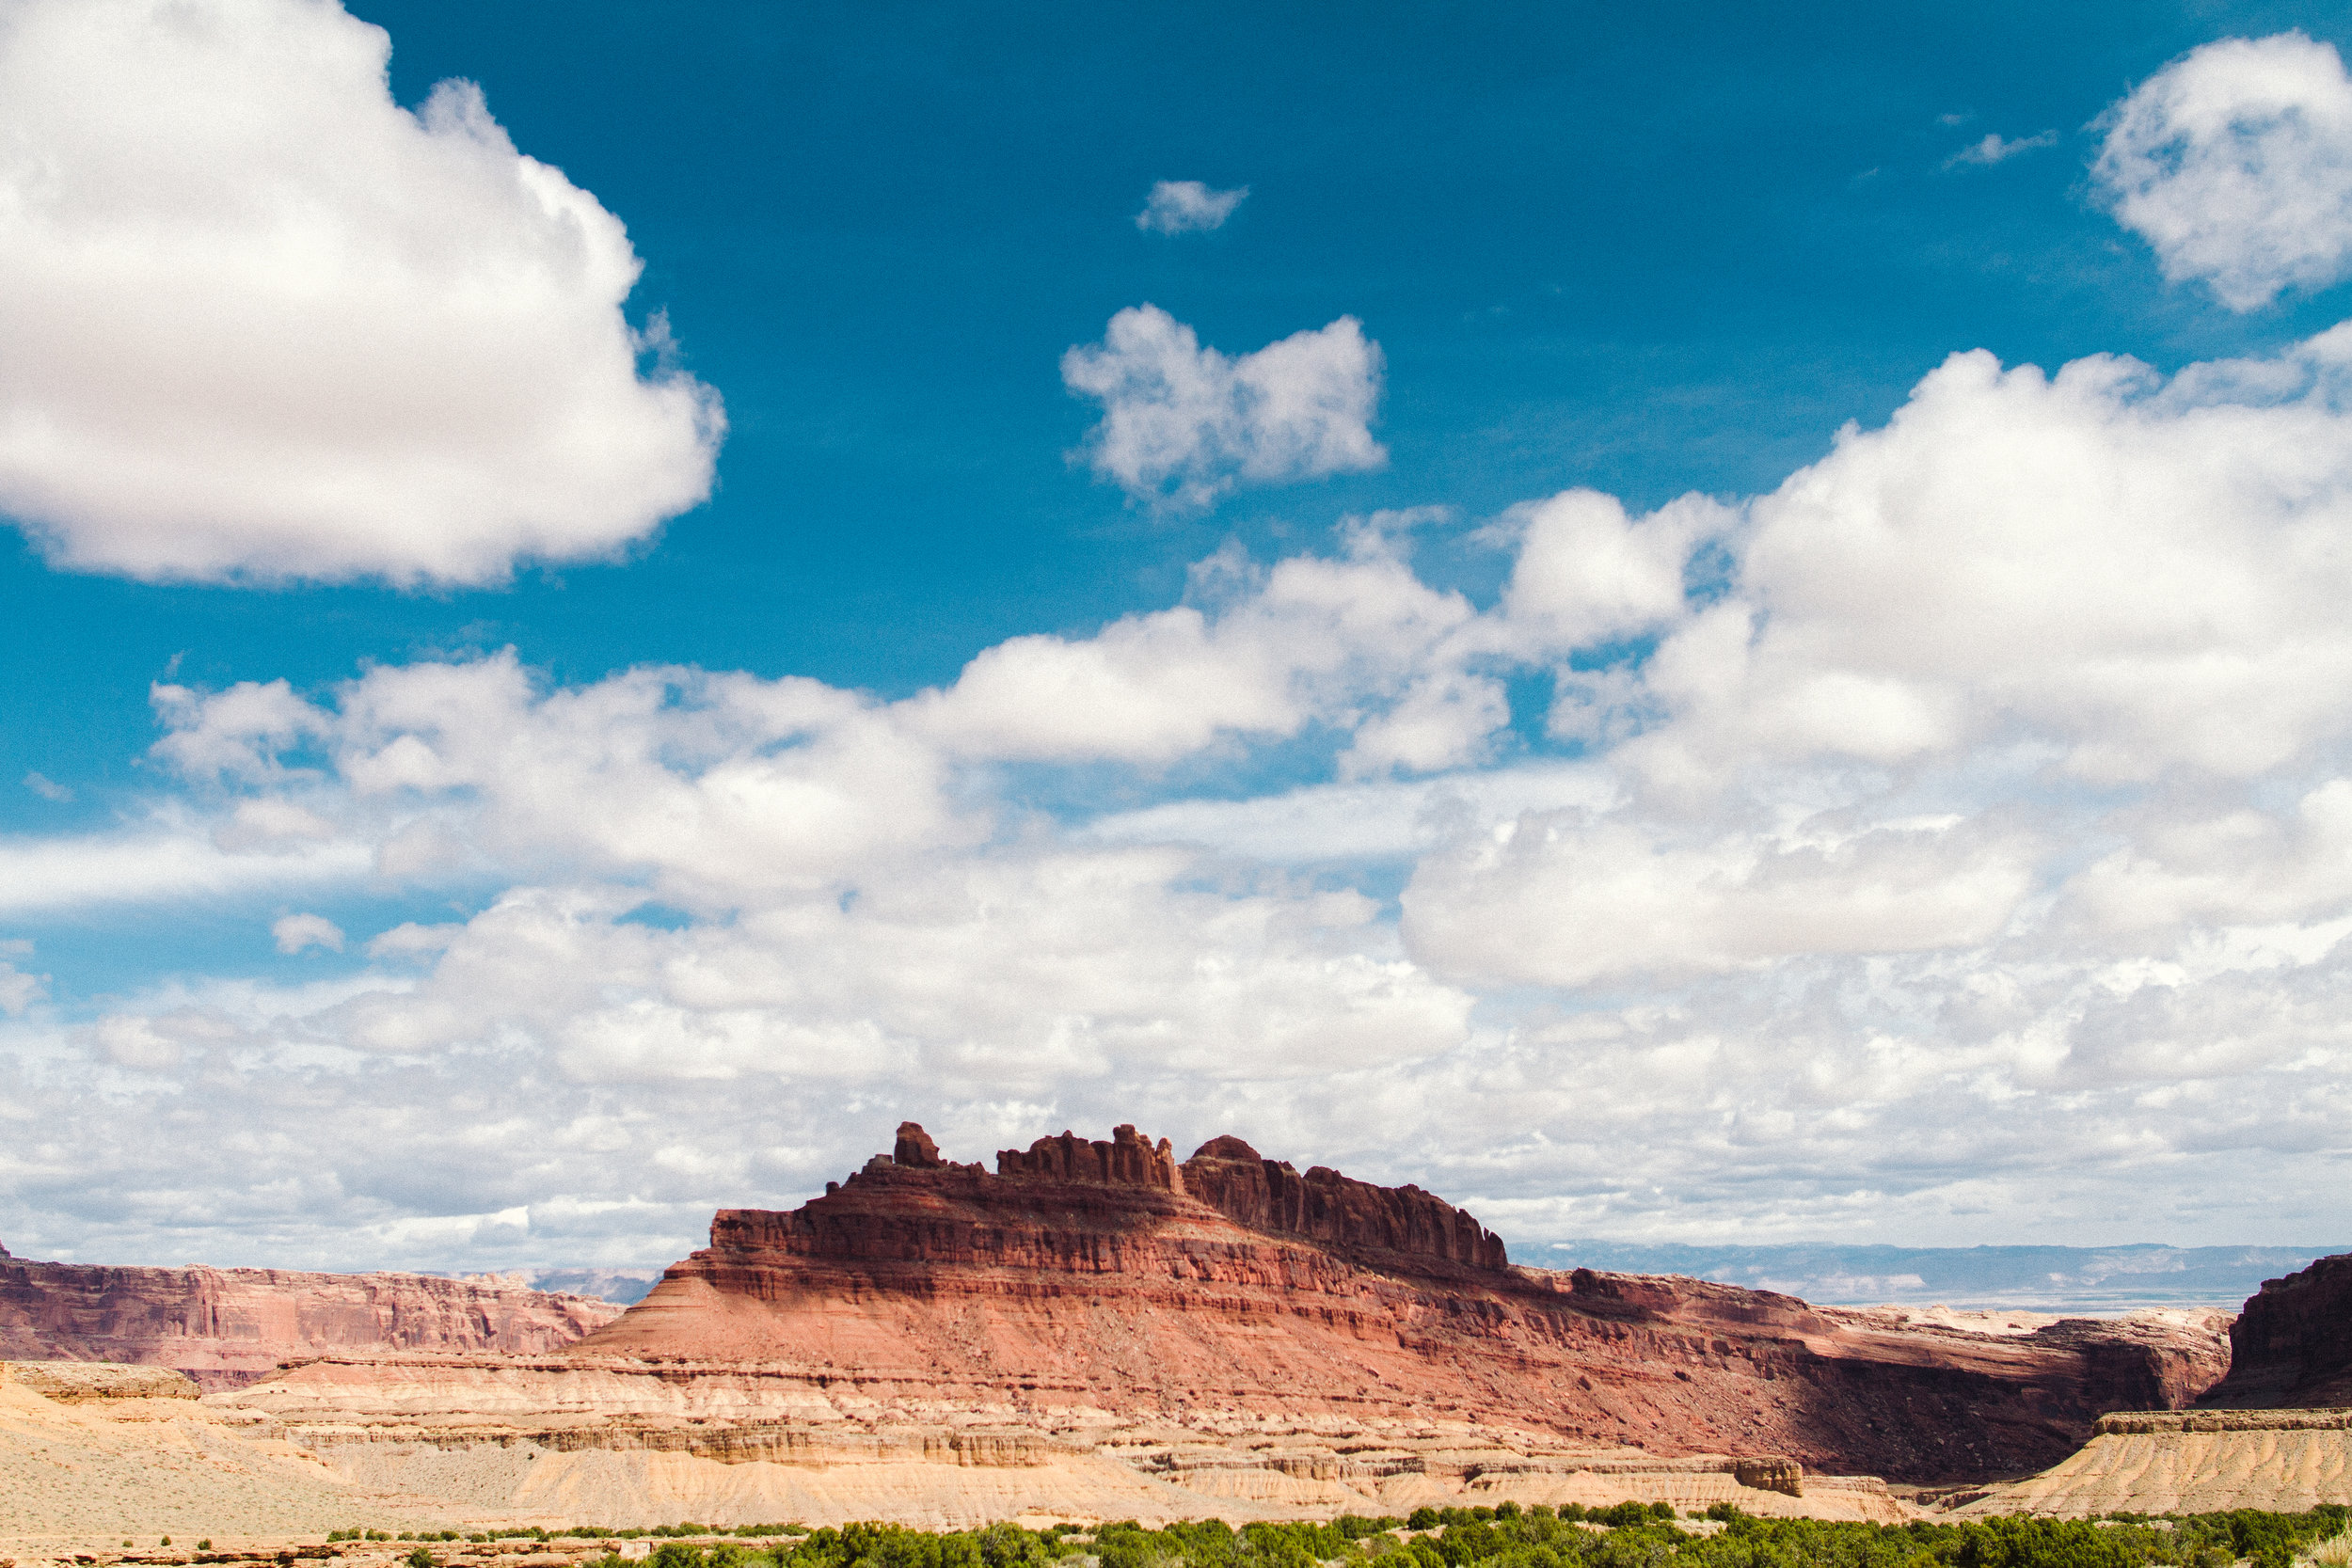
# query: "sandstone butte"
226,1327
1108,1275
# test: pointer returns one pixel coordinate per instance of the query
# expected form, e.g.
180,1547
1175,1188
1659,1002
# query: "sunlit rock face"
1102,1274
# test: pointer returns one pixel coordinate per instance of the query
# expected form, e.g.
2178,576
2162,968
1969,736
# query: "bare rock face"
226,1327
1324,1206
80,1382
1103,1276
1128,1160
2291,1345
915,1148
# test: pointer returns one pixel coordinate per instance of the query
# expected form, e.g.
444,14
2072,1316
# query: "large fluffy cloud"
2140,574
258,322
1182,424
2235,163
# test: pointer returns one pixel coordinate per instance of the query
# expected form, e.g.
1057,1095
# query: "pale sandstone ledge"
290,1457
2226,1421
609,1438
2188,1462
73,1382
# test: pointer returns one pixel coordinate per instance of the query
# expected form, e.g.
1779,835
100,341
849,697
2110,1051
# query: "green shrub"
1640,1535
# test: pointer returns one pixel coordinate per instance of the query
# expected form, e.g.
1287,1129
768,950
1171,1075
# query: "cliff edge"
2291,1346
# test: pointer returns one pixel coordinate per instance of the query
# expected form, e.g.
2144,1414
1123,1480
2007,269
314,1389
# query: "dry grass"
2334,1552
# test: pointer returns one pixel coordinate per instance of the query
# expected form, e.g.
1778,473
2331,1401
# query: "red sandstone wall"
1324,1206
226,1327
1128,1160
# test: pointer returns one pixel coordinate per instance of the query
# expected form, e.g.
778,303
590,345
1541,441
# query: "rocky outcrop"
914,1148
2291,1344
1263,1195
1103,1276
1128,1160
1324,1206
225,1327
79,1382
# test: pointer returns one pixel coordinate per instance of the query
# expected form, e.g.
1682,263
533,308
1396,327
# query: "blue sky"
1518,256
1650,253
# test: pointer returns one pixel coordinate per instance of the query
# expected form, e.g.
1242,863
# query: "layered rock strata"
2291,1345
554,1440
225,1327
2190,1461
1105,1275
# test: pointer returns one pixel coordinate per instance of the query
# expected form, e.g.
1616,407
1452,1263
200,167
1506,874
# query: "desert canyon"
1095,1329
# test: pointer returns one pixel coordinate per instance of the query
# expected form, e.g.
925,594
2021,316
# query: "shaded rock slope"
1106,1276
2291,1347
226,1327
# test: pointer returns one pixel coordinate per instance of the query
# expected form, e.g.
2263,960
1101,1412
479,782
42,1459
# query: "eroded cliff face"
226,1327
2291,1345
1324,1206
1103,1276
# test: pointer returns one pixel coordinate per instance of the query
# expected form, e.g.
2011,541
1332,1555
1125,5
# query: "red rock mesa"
1106,1274
226,1327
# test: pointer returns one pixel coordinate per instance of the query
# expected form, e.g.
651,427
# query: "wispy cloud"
1187,207
1995,149
47,789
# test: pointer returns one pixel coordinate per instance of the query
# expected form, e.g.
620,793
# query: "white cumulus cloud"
263,323
1182,424
2235,163
1187,207
2140,574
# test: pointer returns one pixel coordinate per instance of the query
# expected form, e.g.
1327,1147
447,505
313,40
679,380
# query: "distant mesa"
226,1327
